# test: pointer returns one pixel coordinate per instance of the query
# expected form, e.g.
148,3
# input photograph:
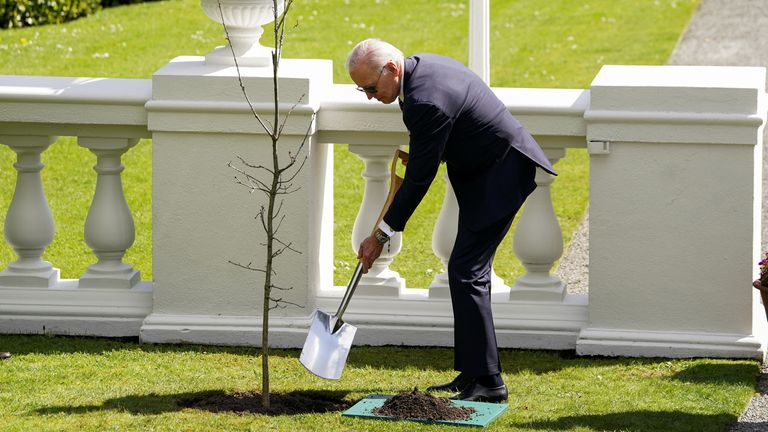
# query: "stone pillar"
380,280
203,220
29,225
109,229
539,242
675,198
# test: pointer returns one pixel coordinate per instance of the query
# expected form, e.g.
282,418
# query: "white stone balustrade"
380,280
109,229
658,136
538,242
29,225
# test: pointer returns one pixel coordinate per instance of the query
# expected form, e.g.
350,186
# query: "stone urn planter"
244,20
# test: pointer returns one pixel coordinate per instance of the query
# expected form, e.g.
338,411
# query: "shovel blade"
325,352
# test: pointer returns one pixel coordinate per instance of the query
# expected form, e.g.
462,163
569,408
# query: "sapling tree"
272,182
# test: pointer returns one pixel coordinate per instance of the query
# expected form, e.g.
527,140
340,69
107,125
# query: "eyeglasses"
371,89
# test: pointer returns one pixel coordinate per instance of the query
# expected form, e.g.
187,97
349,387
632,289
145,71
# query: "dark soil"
298,402
423,406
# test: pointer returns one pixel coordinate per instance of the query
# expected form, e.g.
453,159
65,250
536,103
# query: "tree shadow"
292,403
637,421
718,373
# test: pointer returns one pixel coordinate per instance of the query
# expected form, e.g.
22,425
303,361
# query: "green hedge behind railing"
26,13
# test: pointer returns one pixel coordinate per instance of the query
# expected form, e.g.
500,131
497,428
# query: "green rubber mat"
484,414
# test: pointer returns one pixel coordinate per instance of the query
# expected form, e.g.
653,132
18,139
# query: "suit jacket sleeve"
429,128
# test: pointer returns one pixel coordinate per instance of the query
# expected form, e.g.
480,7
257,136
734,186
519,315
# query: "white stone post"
675,198
380,280
29,225
109,228
538,242
479,38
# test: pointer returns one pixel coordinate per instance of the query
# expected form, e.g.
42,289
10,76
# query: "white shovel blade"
325,354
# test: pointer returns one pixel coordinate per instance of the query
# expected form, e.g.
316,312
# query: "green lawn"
59,383
558,43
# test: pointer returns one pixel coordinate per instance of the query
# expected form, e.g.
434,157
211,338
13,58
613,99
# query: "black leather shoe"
458,384
5,355
480,393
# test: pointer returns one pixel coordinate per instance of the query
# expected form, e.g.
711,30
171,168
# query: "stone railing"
668,147
108,117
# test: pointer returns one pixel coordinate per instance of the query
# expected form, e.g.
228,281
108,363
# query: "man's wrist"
381,236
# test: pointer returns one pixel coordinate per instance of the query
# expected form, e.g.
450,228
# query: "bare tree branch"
287,245
247,266
239,76
244,162
288,114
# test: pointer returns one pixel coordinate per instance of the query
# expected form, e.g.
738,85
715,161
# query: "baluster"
380,280
538,242
29,225
109,229
443,239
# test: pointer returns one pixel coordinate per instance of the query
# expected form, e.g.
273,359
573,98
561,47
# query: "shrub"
24,13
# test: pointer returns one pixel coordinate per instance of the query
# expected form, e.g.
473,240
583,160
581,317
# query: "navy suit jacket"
453,116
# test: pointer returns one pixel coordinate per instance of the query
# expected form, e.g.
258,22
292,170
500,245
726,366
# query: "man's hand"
370,249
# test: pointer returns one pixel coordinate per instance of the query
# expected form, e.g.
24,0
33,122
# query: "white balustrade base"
413,319
224,330
631,343
11,277
124,279
68,310
440,288
385,283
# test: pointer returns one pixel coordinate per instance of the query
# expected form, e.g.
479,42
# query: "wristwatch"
381,236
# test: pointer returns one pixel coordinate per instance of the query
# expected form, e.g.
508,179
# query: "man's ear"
392,67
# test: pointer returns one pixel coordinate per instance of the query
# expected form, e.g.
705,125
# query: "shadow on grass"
637,421
216,401
718,373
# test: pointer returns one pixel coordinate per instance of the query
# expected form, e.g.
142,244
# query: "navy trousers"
469,275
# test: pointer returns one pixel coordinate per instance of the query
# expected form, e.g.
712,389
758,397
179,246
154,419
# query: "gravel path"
721,33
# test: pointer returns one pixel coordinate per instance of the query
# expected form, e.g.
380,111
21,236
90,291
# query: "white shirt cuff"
387,230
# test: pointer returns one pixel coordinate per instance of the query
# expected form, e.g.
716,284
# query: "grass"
63,383
560,43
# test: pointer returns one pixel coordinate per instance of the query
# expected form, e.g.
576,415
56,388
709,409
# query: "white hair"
374,54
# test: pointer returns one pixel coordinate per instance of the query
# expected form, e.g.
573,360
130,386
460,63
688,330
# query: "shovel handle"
394,185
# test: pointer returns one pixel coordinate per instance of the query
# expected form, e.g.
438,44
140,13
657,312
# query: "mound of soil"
280,403
420,405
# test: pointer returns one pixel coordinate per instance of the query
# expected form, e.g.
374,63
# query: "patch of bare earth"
299,402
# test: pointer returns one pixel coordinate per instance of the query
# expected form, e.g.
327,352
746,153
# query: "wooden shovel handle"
395,182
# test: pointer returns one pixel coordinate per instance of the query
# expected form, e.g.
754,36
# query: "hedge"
24,13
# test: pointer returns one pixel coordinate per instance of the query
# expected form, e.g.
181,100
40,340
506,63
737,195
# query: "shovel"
329,340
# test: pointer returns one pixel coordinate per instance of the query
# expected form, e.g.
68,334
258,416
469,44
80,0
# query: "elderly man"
454,117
